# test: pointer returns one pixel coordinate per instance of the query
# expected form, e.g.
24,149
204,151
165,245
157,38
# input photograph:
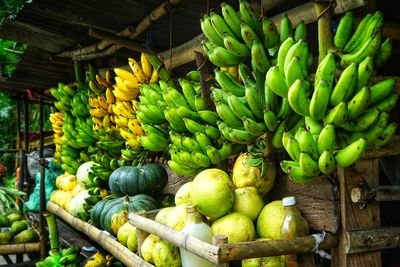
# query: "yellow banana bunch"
56,120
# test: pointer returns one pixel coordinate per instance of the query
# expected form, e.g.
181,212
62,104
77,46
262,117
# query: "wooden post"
42,230
141,235
354,218
220,240
325,38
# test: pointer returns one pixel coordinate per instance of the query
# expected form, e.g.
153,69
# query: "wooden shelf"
19,248
101,237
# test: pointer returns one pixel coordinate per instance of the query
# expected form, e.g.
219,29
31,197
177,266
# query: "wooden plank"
354,218
357,241
318,201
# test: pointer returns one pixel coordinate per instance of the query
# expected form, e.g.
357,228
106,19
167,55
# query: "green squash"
115,212
98,209
132,180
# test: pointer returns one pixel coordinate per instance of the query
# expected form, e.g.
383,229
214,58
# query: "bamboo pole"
101,237
19,248
42,231
325,37
130,32
378,193
357,241
220,240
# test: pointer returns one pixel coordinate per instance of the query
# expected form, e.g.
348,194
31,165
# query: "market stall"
171,114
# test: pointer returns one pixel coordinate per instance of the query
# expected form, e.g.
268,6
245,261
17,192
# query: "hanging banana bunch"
56,120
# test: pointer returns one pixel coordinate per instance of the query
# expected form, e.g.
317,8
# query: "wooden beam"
325,36
19,248
364,194
358,241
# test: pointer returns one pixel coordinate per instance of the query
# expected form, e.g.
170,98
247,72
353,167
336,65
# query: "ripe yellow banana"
102,101
146,65
134,143
154,77
134,126
125,74
93,102
123,96
137,70
109,96
98,112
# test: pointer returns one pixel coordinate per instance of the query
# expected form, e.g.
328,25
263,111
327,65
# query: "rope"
202,64
319,238
332,4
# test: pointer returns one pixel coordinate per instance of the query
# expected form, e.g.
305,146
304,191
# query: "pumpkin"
111,213
149,179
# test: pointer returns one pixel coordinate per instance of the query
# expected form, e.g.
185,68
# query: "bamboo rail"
19,248
103,238
229,252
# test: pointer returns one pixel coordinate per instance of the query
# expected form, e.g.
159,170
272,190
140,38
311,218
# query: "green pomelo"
236,226
162,215
177,217
248,201
270,219
182,196
148,246
124,232
166,254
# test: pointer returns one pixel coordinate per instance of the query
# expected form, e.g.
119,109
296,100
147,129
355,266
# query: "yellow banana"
97,121
126,134
109,96
98,112
154,77
106,121
124,111
108,76
110,109
100,80
146,65
93,102
122,96
137,70
125,74
133,143
134,126
102,102
128,106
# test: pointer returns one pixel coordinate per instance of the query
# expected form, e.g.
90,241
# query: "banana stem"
53,233
158,65
325,38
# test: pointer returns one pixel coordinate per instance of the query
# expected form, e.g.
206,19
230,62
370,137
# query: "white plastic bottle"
197,228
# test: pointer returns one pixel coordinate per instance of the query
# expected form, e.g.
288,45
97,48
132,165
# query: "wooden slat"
19,248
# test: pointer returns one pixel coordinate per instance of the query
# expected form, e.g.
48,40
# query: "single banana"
363,122
201,159
350,154
365,72
308,165
388,103
188,91
193,126
212,132
300,32
320,100
231,18
270,120
297,175
271,34
337,115
344,30
298,97
345,86
190,144
184,112
327,138
235,46
225,57
292,148
381,90
277,138
203,140
384,53
246,75
219,24
275,80
259,57
225,150
146,66
308,144
227,115
271,99
201,103
228,83
213,154
286,29
327,162
358,103
285,110
253,127
300,50
255,102
209,116
294,71
285,164
282,52
238,108
248,34
177,98
249,17
326,70
386,136
314,126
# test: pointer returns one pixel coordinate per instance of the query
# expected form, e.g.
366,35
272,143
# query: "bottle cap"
288,201
190,208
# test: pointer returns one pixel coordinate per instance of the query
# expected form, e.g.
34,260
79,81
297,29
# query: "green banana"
225,150
238,108
208,116
286,29
358,103
201,159
240,136
300,32
193,126
249,17
355,38
228,83
373,133
344,30
388,103
292,148
300,50
212,132
362,122
255,101
175,121
298,132
271,99
225,57
188,91
365,72
369,48
314,126
270,120
231,18
320,100
227,115
187,159
384,53
297,175
350,154
259,57
298,97
213,154
253,127
308,144
193,75
154,142
327,162
203,140
285,110
285,164
182,169
190,144
345,86
327,138
209,31
271,34
277,138
326,70
168,99
184,112
282,52
294,71
275,80
248,34
337,115
386,135
373,25
175,157
220,25
177,98
246,75
201,103
235,46
308,165
381,90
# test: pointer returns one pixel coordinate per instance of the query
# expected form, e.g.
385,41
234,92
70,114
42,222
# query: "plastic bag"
33,160
50,175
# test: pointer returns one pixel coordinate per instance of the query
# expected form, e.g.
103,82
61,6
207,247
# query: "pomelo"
162,215
270,219
236,226
212,192
124,232
176,218
182,196
248,201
